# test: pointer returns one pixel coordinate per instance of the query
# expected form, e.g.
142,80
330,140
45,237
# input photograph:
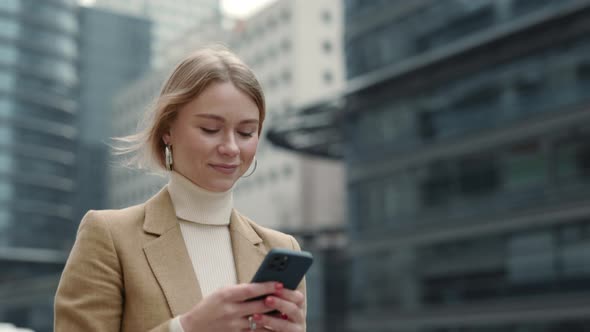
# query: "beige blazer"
129,270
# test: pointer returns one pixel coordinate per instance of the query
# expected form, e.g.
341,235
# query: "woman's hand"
227,309
291,305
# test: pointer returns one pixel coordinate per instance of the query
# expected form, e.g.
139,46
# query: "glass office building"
114,51
38,82
465,127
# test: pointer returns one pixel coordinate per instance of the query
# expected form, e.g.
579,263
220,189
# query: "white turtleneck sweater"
204,222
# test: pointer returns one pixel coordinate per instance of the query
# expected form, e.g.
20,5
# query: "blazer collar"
160,217
247,247
159,214
169,260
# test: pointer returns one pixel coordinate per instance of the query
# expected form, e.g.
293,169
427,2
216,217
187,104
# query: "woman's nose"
229,146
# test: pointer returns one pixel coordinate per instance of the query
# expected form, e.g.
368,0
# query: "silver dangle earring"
254,170
168,157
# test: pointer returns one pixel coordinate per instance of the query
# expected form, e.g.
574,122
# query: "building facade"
464,128
114,51
294,47
170,19
38,118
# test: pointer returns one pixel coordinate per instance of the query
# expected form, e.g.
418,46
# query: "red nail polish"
279,286
284,316
269,300
257,317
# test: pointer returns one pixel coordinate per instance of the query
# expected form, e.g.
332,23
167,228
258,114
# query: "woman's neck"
196,204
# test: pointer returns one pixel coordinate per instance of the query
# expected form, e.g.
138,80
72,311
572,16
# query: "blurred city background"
434,155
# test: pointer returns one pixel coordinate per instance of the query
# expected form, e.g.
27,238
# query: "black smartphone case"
284,265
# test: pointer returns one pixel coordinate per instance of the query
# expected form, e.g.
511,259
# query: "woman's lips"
225,169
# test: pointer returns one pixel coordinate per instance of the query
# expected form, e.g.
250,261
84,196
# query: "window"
50,66
531,257
4,220
573,158
371,204
524,166
273,176
524,6
271,52
36,165
285,15
478,175
287,106
59,137
5,135
425,124
9,5
575,249
64,45
531,91
399,197
286,76
272,83
287,171
5,163
326,16
261,180
438,186
6,81
39,112
52,14
392,124
583,73
475,109
286,45
327,46
272,23
328,77
6,108
259,31
8,54
8,29
464,25
258,59
5,191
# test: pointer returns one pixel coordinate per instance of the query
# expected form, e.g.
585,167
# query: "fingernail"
269,300
279,286
257,317
284,316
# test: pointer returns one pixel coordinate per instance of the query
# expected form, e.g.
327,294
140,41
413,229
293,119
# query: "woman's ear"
166,137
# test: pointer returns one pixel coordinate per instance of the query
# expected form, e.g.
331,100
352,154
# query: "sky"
243,8
233,8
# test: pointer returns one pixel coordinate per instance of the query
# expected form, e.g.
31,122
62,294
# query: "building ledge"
315,129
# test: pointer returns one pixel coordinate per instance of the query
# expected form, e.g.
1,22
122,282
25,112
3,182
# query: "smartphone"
285,266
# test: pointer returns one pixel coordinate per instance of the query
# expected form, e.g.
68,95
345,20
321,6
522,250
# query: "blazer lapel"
168,257
247,248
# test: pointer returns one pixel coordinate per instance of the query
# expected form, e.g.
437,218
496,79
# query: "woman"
182,261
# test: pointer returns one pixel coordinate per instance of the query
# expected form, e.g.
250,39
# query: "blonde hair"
188,80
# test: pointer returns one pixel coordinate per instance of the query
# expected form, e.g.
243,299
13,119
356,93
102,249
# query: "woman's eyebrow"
253,121
211,116
222,119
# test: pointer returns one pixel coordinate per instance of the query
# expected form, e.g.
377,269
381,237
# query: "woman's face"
214,137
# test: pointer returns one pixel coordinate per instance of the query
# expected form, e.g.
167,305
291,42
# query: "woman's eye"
246,134
209,131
